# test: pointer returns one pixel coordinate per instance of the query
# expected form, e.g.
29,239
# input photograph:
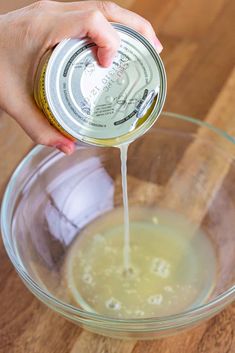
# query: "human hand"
26,34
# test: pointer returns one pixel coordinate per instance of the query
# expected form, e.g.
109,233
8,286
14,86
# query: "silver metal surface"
95,104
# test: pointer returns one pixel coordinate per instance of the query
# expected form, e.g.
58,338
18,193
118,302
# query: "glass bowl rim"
164,322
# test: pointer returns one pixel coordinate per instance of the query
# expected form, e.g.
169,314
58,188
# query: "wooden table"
199,54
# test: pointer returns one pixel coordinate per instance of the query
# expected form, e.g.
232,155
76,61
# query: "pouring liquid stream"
126,248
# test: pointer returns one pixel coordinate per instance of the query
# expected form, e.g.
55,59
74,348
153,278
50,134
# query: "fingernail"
65,149
158,45
108,62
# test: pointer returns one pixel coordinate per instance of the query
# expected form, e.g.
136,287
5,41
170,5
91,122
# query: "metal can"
102,106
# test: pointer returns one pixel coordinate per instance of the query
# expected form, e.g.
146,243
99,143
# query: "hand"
26,34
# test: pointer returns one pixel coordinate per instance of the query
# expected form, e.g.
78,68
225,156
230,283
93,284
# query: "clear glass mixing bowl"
182,164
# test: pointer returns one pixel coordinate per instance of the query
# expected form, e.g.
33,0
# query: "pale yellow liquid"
126,248
172,266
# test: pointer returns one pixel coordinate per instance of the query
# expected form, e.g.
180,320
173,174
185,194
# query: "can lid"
93,103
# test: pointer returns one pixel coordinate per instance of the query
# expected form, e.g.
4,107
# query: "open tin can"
102,106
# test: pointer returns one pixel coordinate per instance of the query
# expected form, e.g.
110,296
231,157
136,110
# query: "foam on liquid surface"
172,267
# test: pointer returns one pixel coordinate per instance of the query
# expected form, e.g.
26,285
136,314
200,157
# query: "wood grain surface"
199,55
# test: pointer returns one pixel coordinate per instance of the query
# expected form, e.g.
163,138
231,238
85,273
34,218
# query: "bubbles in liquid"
155,220
161,267
87,278
165,275
155,299
113,304
139,313
169,289
130,272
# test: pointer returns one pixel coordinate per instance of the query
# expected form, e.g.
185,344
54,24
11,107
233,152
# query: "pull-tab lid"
106,106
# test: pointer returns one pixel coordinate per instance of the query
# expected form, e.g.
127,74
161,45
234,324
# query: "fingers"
94,26
91,18
104,36
114,13
38,128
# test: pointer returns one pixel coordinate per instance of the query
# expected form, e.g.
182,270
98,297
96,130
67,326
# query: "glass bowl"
181,165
